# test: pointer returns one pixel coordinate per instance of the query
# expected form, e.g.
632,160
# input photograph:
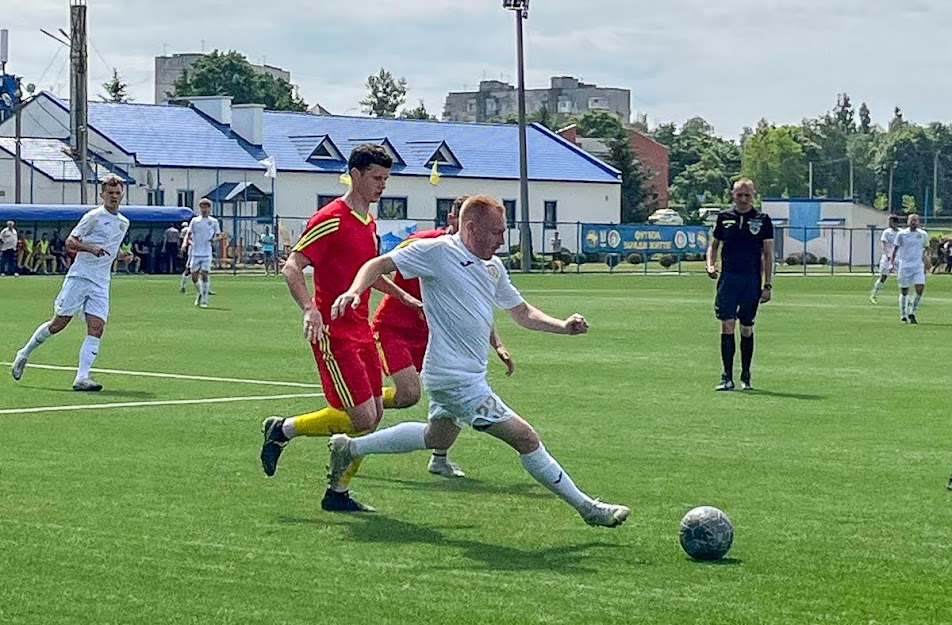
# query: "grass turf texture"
833,472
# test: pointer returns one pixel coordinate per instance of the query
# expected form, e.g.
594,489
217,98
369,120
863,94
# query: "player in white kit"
203,230
912,244
888,242
461,280
96,240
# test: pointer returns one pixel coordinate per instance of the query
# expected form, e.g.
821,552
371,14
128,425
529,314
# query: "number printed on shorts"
492,410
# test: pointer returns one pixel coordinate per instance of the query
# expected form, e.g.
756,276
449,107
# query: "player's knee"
746,330
58,324
365,417
406,396
526,440
727,326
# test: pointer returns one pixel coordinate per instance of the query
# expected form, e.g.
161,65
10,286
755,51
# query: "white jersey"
911,244
203,230
889,238
102,228
459,291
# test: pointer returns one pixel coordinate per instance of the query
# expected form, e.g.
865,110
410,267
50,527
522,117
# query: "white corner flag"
270,166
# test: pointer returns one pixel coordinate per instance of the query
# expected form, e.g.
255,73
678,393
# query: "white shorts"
476,406
82,295
200,263
884,269
912,276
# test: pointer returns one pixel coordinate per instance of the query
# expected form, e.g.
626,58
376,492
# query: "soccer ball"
706,533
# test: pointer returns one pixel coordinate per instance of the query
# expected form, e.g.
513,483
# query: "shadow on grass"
766,393
721,562
377,528
68,390
465,485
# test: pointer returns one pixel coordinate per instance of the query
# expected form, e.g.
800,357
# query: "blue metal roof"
72,212
178,136
52,158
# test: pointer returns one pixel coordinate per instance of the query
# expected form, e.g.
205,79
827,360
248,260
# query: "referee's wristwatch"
768,287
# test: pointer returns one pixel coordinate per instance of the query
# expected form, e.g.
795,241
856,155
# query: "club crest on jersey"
754,225
493,271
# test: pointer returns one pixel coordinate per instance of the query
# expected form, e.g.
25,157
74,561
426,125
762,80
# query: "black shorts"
738,296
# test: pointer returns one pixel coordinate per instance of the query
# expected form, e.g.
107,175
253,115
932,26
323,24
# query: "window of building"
491,106
392,208
155,197
510,213
324,200
186,197
565,105
265,207
596,103
443,208
471,106
551,217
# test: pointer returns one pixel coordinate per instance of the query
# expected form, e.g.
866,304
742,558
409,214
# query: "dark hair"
458,205
893,218
367,154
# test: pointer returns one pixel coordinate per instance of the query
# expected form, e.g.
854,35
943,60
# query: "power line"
53,60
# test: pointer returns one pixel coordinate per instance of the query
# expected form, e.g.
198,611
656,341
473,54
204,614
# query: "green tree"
599,124
700,163
231,74
774,159
419,112
116,90
385,94
865,121
637,201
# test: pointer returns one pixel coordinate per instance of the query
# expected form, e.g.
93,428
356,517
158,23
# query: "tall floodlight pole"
78,84
521,9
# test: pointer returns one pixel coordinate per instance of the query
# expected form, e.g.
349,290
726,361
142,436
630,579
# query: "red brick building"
652,155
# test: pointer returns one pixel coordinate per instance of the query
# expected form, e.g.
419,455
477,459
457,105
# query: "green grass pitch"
834,471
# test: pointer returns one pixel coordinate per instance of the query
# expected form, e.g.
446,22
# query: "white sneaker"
340,460
203,305
872,298
198,300
87,385
445,467
19,364
604,514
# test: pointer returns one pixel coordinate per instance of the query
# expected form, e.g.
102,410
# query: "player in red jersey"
338,239
401,334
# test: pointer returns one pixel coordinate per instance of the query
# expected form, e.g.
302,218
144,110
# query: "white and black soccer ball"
706,533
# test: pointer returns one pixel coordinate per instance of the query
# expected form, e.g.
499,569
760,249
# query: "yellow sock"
389,392
325,422
349,474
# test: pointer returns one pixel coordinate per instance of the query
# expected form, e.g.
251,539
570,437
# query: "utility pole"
520,8
78,96
811,180
935,181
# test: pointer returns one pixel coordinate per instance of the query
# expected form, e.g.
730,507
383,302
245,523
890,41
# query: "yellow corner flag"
435,174
345,178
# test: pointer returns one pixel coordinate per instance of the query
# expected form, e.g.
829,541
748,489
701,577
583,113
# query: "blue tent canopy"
72,212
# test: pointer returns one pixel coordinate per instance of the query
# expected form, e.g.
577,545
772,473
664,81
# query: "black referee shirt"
742,237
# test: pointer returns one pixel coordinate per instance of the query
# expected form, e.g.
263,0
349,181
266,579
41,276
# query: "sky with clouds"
731,62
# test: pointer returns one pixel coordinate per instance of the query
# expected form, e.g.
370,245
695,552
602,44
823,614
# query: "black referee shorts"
738,296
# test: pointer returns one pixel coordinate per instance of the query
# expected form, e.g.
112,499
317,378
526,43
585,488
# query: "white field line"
166,402
174,376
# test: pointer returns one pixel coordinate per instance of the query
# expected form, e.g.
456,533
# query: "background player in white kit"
912,244
203,229
185,247
461,279
888,242
96,240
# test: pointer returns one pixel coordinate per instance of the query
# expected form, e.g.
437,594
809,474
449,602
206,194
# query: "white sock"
87,356
197,285
208,283
547,471
902,305
41,334
204,282
184,279
398,439
915,303
287,428
877,286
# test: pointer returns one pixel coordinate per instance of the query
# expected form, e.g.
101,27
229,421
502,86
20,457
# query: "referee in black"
744,236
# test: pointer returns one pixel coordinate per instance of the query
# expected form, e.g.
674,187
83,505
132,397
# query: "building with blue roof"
206,146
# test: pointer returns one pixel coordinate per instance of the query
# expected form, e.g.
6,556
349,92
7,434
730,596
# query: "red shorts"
350,371
399,351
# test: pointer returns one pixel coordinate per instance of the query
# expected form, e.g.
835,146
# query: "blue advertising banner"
391,232
644,238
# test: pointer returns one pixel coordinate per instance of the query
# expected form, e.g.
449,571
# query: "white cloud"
731,62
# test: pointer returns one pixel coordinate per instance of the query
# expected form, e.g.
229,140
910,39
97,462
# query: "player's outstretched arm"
75,244
531,318
368,275
386,285
501,351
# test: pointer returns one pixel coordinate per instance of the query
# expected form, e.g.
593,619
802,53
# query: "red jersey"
396,315
338,241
